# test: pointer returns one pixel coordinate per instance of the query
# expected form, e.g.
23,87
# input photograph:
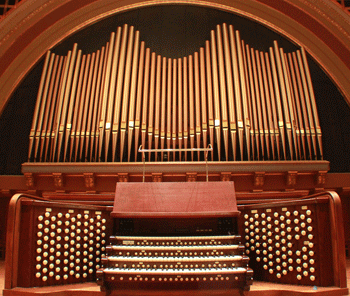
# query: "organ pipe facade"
250,105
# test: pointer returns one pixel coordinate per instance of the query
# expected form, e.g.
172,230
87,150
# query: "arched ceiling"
37,25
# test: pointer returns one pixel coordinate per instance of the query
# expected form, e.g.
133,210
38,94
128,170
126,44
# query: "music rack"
206,150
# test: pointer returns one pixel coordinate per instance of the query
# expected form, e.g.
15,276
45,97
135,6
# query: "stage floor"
257,289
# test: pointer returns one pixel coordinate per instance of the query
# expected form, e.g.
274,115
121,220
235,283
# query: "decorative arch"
35,26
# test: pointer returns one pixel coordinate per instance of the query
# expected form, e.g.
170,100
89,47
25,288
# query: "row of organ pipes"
248,104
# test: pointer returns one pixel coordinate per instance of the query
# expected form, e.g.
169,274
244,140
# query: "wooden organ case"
255,108
54,243
181,235
295,241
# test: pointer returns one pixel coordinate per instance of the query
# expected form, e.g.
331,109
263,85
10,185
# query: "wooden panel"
300,253
42,226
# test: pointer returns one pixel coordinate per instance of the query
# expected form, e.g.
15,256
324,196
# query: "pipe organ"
248,104
254,108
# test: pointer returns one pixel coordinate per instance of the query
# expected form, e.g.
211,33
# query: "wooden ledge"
235,167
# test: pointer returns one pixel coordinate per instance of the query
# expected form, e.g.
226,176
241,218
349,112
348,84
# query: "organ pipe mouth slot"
206,150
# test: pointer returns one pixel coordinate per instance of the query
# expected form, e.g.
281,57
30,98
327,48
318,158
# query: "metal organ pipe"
243,125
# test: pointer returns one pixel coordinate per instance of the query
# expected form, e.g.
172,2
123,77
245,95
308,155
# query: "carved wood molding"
191,177
123,177
58,180
259,181
291,180
89,179
225,176
30,181
321,178
157,177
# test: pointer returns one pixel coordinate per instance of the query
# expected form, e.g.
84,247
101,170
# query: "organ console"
178,234
188,236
